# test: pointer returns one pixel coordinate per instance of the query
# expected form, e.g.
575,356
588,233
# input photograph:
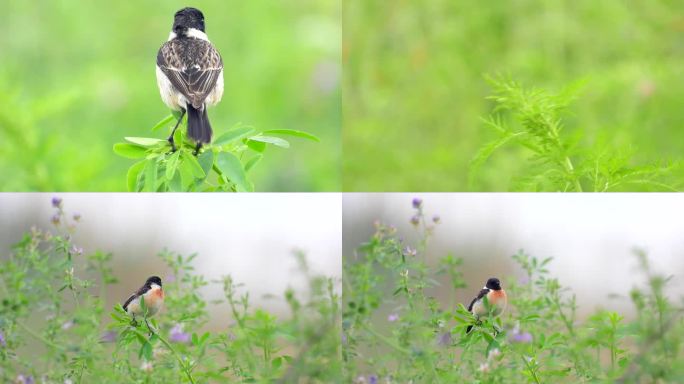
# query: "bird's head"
153,280
493,284
188,18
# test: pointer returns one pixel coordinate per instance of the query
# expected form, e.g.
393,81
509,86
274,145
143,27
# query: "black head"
188,18
153,280
493,284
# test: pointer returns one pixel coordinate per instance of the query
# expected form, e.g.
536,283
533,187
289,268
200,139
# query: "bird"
496,299
152,293
190,75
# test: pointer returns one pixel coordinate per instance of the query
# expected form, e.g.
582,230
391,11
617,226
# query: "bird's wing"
139,292
480,295
125,306
192,65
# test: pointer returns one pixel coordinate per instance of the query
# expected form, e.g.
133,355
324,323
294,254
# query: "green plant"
221,166
395,330
557,160
55,327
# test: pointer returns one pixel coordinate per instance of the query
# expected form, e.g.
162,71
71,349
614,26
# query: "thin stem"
39,337
533,372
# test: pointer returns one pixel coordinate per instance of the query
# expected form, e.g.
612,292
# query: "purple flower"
344,338
55,219
21,379
76,250
436,219
444,339
57,202
170,278
415,220
417,202
408,251
521,337
392,317
372,379
108,337
176,334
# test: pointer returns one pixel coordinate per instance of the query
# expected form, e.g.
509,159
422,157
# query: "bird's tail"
199,128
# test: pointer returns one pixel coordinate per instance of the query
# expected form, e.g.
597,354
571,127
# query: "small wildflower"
494,353
520,337
146,366
417,202
392,317
372,379
170,278
78,251
360,380
21,379
436,219
176,335
67,325
57,202
344,338
415,220
77,216
444,339
484,367
2,339
408,251
55,219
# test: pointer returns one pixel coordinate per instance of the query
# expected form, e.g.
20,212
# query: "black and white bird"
152,293
190,75
496,301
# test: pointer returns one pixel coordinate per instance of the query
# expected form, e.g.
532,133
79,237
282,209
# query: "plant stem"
38,336
182,363
533,372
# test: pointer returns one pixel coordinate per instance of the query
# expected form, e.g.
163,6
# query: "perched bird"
190,75
496,299
152,293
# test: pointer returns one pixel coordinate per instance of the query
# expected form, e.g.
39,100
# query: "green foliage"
219,167
538,339
557,162
414,93
54,326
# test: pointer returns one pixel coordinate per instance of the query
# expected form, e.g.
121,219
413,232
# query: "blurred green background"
78,76
414,90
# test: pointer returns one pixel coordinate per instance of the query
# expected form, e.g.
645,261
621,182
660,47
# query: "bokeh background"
414,87
76,77
591,238
251,237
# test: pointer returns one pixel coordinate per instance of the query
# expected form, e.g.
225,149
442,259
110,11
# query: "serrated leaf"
232,135
231,167
277,141
145,141
163,122
130,151
294,132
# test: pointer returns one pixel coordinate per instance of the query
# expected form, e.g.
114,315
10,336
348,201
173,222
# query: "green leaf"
146,351
163,122
171,165
151,176
133,174
232,135
256,146
206,161
145,141
231,167
293,132
195,166
252,162
129,150
176,184
277,141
